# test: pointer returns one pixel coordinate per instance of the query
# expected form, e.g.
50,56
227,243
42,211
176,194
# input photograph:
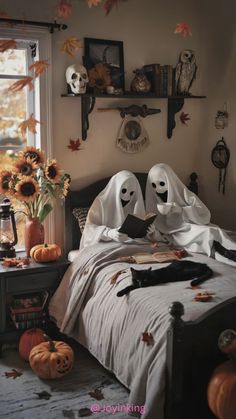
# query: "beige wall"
147,30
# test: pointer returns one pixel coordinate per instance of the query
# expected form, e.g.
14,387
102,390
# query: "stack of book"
28,310
161,78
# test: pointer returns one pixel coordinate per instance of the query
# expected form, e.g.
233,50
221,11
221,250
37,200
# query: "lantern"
8,233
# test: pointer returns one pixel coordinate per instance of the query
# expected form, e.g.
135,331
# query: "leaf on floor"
13,374
44,395
84,412
147,338
106,383
96,394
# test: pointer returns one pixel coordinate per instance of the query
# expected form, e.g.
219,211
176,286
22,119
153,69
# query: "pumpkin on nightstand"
28,340
221,392
45,252
51,359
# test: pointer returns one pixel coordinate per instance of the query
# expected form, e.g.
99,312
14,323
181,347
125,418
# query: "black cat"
176,271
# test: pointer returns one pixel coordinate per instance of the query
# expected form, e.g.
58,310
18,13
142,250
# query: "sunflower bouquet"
34,182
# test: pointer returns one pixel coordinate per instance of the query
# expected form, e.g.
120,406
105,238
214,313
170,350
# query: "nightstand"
33,278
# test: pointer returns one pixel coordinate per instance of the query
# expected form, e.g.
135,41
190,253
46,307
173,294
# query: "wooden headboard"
84,199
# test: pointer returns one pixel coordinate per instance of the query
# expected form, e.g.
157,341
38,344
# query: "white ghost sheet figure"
121,196
183,216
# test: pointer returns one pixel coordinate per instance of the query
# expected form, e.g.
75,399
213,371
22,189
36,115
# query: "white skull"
77,78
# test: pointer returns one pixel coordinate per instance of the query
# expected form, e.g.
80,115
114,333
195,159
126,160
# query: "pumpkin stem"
51,346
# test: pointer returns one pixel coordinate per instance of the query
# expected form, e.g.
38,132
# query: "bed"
173,372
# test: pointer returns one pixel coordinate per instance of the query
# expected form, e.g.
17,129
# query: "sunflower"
99,76
52,171
26,189
66,186
5,177
26,167
34,154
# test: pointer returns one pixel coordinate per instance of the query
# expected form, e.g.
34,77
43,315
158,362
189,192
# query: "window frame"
43,38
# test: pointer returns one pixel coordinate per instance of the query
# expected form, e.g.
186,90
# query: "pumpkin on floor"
45,252
221,391
28,340
51,359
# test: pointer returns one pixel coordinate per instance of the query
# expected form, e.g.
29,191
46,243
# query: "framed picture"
109,53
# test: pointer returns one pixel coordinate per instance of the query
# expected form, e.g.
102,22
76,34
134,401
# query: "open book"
136,227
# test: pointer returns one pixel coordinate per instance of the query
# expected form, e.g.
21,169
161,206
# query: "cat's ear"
132,270
149,269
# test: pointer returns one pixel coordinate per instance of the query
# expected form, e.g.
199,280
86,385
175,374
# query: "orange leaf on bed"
39,67
7,44
20,84
64,9
183,29
71,45
116,276
29,124
147,338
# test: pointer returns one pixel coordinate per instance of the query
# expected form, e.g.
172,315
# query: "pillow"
80,214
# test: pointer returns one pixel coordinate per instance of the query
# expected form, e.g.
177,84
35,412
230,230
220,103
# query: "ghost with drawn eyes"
121,196
176,204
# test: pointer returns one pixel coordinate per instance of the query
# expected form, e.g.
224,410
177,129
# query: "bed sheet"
85,306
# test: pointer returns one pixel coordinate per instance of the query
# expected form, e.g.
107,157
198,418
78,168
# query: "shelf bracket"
87,105
174,106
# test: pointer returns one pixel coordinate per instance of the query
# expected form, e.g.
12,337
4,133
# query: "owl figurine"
185,72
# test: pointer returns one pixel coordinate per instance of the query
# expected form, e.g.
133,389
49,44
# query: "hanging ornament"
222,117
132,136
220,156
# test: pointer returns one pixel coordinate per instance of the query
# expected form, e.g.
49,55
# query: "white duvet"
85,306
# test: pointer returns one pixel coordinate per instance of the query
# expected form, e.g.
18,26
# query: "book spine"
164,80
170,81
157,80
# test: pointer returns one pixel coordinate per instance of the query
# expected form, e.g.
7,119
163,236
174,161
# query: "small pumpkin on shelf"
45,252
28,340
51,359
221,389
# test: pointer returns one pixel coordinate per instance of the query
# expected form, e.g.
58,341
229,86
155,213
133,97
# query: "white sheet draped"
183,216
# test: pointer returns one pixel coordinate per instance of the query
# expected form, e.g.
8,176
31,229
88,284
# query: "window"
15,107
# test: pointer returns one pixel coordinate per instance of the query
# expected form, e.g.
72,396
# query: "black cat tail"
125,291
202,278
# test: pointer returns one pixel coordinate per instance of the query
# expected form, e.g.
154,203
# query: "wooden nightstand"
15,281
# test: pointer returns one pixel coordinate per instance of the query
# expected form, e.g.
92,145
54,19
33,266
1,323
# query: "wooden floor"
23,398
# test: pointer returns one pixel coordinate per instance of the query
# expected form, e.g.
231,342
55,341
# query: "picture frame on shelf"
108,53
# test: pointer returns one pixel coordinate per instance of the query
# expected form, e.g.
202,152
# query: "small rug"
88,390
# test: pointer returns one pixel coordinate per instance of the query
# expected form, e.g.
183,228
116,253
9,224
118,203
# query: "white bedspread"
85,306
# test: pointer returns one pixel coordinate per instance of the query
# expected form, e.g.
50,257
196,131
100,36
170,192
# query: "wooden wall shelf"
175,104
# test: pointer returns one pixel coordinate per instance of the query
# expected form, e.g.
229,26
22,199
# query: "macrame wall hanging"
220,156
132,136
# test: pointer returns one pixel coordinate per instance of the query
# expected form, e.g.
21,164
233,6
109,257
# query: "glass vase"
34,234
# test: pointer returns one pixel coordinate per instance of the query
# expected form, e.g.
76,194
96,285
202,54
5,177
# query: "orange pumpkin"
221,392
45,252
51,359
28,340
